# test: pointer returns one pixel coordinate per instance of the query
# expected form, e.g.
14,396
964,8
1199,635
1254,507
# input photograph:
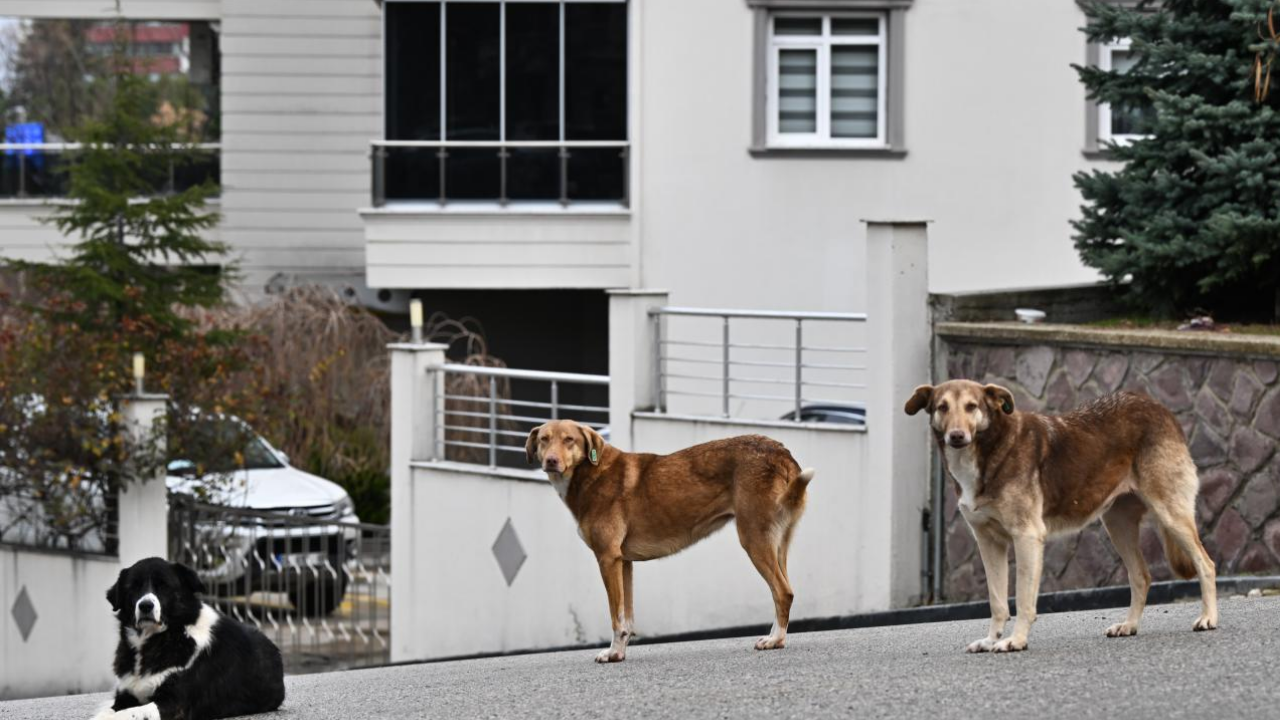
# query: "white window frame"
822,44
1104,109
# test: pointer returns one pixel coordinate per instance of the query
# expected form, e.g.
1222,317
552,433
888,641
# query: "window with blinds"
826,85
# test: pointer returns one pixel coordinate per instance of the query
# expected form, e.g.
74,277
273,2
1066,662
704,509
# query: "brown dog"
639,506
1022,477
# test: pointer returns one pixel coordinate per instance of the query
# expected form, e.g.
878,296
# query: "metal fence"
490,426
445,171
811,364
320,589
38,170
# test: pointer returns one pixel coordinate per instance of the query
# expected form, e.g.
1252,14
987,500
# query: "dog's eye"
942,407
568,441
971,407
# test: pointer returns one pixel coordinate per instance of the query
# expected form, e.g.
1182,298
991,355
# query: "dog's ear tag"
595,457
1007,407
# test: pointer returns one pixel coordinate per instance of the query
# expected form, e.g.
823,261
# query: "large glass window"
55,77
510,101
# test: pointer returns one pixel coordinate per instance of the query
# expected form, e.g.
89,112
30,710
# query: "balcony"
499,214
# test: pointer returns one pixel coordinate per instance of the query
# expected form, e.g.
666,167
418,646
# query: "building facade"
496,156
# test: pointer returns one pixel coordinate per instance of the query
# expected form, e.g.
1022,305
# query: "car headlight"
344,507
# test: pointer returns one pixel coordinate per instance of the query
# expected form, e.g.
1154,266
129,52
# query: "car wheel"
319,597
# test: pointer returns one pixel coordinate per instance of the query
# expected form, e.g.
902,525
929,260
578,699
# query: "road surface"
917,671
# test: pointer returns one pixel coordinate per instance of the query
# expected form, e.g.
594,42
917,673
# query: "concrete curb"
1116,596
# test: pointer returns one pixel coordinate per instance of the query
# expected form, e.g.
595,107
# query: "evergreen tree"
1192,218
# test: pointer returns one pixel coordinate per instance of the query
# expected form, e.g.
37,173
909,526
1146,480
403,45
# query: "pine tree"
141,254
1192,219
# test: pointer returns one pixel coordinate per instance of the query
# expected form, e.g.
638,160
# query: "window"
519,100
826,81
1126,123
829,77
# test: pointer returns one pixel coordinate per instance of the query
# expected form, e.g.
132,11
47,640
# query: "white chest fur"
962,463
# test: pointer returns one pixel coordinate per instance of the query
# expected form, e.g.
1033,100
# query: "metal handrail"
502,143
769,314
727,362
23,150
501,418
526,374
379,150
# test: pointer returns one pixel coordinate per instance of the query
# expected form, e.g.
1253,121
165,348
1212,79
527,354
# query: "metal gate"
320,589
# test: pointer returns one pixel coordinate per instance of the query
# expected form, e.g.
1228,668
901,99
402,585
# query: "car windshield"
222,446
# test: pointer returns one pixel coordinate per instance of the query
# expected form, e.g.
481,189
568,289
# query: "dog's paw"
1206,623
981,646
1009,645
770,642
1123,629
609,655
144,712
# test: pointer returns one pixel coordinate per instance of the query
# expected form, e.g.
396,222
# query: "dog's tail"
1179,561
795,491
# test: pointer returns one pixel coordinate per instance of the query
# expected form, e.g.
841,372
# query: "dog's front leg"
1028,549
995,563
611,570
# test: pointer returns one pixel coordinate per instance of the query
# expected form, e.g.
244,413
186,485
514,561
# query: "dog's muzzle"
958,439
147,611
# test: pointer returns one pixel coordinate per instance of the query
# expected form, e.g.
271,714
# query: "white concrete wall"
995,125
72,644
462,604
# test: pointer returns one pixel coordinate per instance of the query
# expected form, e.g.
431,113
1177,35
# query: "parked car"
851,414
242,553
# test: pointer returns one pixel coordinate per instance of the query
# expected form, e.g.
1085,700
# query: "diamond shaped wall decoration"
24,613
509,552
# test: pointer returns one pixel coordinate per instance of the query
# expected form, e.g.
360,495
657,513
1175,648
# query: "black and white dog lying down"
179,658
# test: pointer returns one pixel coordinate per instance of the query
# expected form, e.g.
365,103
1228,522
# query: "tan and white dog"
640,506
1022,477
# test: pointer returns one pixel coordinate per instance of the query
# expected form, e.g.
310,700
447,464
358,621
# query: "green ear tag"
1008,407
594,457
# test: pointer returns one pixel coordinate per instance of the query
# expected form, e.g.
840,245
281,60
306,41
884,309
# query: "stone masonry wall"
1229,407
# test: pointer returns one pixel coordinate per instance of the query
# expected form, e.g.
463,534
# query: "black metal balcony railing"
445,171
38,170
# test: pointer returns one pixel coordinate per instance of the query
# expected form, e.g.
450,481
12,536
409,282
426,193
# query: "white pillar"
898,337
632,359
415,389
143,507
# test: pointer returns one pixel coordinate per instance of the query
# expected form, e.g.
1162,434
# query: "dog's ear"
593,443
1000,398
191,582
531,445
113,592
920,399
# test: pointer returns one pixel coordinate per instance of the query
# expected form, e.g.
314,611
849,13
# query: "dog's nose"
145,607
552,464
958,438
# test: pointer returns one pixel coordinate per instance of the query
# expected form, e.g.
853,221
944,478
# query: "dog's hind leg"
1123,522
1170,491
763,542
628,599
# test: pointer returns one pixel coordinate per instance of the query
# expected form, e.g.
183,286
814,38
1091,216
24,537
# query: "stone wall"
1224,392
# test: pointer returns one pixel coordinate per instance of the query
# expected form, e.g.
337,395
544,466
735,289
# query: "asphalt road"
919,671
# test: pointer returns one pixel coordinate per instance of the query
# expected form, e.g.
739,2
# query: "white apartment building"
724,150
